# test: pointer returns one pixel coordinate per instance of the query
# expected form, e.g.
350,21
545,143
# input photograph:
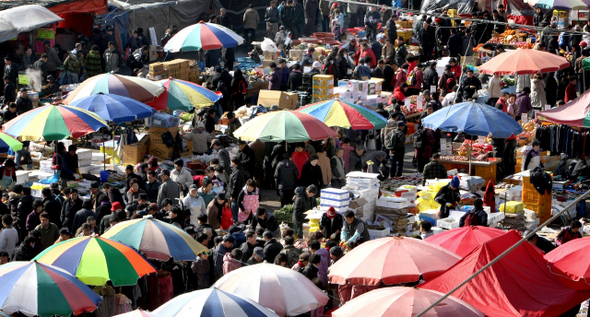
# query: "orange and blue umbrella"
203,36
37,289
115,108
337,113
53,123
183,95
96,260
156,239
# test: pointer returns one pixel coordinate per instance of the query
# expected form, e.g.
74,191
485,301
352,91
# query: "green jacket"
73,64
93,64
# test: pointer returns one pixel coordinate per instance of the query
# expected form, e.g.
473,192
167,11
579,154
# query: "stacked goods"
541,204
367,186
323,87
337,198
531,221
514,221
395,210
84,160
370,195
158,71
158,145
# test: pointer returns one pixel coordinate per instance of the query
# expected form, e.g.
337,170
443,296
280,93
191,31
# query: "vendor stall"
485,169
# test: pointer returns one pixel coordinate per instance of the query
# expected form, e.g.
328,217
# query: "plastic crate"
448,223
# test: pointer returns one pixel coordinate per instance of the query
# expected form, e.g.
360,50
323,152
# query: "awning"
27,18
83,6
7,31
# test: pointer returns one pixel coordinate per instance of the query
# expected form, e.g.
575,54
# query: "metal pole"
499,257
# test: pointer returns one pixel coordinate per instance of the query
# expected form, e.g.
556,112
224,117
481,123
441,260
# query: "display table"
485,170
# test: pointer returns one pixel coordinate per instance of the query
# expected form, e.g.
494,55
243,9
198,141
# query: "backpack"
411,81
419,137
472,220
389,135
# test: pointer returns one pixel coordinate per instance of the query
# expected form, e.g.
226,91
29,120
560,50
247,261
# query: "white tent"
7,31
29,17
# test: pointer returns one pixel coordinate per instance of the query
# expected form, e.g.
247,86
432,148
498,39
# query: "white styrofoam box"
334,203
338,209
334,193
434,181
84,162
376,233
456,213
448,223
495,217
362,175
354,186
393,202
86,169
45,166
22,177
532,225
530,215
84,154
436,230
411,218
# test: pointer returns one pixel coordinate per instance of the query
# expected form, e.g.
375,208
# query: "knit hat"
331,213
116,206
258,251
455,182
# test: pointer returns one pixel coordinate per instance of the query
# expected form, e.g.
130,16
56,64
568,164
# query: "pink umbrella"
523,61
572,260
392,261
462,241
405,302
574,113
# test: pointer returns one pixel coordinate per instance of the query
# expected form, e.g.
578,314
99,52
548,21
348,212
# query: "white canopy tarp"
29,17
7,31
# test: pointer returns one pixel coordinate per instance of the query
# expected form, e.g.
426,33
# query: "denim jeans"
234,211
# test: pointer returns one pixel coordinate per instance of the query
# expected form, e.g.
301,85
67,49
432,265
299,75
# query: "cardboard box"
156,134
296,55
270,56
161,151
134,153
316,90
323,81
266,63
284,100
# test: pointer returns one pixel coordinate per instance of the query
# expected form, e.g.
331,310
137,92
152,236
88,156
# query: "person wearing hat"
434,170
258,256
331,224
469,85
199,137
304,201
448,197
224,247
50,88
104,222
23,103
195,204
168,188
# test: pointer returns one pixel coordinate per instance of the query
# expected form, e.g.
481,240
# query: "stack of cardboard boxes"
157,146
323,88
182,69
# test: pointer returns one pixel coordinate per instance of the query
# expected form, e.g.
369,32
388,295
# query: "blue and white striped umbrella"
212,302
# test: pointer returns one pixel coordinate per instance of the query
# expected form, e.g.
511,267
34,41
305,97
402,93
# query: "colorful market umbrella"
574,113
571,260
392,261
523,61
283,290
405,302
7,142
53,123
290,126
203,36
115,108
346,115
156,239
140,89
138,313
36,289
562,5
462,241
96,260
473,119
183,95
212,302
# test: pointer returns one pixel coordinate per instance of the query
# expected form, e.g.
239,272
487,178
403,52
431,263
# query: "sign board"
407,103
23,79
481,140
419,103
547,107
432,89
524,118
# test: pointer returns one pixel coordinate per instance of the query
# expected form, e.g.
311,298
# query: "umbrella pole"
470,153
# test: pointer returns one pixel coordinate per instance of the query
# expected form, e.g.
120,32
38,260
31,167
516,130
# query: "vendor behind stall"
448,196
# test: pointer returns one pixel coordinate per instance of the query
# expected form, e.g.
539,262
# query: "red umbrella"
405,302
462,241
571,259
392,261
523,61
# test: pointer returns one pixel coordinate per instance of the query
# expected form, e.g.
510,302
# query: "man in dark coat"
427,41
454,44
69,209
331,224
286,176
51,206
237,180
247,159
448,196
304,201
271,246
